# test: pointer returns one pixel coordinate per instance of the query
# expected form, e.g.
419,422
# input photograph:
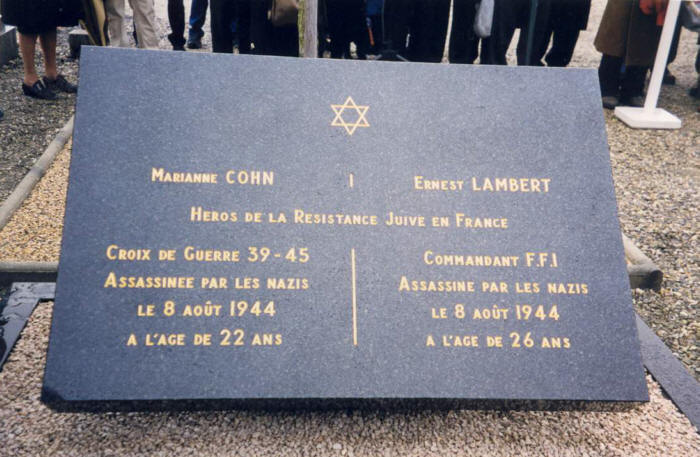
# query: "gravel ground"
28,428
656,182
29,125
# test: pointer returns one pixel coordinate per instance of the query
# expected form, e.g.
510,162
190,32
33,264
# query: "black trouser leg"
222,14
633,82
338,13
359,34
428,30
463,41
609,75
377,34
540,34
502,30
397,17
176,16
242,15
566,19
563,45
673,51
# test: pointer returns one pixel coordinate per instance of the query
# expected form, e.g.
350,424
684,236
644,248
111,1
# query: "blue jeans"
198,14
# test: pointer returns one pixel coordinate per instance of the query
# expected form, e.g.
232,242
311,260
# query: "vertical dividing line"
354,298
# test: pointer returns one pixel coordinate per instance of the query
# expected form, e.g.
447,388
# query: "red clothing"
650,7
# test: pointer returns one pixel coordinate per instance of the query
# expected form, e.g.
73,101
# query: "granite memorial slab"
246,227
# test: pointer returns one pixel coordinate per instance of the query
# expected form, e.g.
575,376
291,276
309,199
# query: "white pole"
651,117
662,55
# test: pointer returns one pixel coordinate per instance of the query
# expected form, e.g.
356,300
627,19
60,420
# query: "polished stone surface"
350,138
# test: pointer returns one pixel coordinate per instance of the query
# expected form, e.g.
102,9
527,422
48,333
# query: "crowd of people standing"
412,30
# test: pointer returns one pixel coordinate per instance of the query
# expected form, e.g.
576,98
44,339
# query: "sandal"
38,90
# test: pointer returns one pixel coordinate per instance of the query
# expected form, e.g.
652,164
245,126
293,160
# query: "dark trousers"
374,45
198,15
176,16
512,14
374,11
268,39
464,43
563,45
223,14
425,20
397,18
616,83
346,23
566,19
428,30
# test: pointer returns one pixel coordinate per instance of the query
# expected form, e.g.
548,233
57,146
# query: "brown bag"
283,12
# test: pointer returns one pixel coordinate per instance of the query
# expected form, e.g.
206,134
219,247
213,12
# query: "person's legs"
668,78
337,14
222,13
198,15
32,85
463,40
115,20
695,91
357,28
145,23
396,17
428,30
563,43
53,79
609,75
502,29
540,35
48,47
27,46
242,22
632,86
176,17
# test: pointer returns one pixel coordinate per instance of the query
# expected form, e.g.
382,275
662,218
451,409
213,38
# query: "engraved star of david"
350,127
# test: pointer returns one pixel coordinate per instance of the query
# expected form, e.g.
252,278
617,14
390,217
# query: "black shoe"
178,47
38,90
636,101
1,114
61,84
695,91
194,44
610,101
668,79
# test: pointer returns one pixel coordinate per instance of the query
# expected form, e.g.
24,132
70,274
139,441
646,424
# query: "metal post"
310,28
531,31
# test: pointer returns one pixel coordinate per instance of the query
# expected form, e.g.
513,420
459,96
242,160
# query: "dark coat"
628,33
572,14
39,16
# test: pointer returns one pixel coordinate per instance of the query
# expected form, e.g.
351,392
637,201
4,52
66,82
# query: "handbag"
283,12
690,15
484,19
